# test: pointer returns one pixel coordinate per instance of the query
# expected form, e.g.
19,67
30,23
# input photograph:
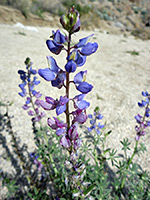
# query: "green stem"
50,156
31,96
128,164
95,155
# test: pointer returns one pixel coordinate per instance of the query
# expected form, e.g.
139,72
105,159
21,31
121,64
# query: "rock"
119,25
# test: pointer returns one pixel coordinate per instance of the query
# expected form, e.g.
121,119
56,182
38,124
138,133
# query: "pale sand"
118,78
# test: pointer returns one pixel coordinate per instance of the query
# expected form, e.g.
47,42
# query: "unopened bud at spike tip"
71,21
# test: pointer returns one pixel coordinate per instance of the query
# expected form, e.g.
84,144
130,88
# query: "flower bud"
71,21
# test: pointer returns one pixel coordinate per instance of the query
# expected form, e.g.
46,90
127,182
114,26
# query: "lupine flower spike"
97,127
32,102
143,121
59,77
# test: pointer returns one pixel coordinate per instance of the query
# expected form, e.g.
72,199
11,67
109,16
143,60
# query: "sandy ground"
118,78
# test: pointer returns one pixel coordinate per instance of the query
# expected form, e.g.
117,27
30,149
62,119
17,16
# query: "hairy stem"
67,85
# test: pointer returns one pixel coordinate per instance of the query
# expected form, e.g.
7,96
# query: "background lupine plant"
93,121
143,122
29,81
60,77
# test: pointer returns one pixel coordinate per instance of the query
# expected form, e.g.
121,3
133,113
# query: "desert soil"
118,78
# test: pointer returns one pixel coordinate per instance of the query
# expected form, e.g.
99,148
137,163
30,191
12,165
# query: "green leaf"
88,190
107,150
2,104
35,191
29,194
108,133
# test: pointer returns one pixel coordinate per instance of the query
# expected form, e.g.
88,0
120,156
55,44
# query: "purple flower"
84,87
60,131
23,93
25,107
52,124
50,73
40,165
59,81
32,155
42,114
80,83
47,74
37,102
81,50
36,161
37,111
65,141
90,116
73,132
145,94
140,131
53,73
61,107
99,116
35,81
93,121
77,144
80,103
148,123
100,126
22,75
79,116
31,113
58,37
147,112
32,71
38,95
89,129
57,125
80,77
82,42
77,58
70,66
56,45
28,100
98,131
39,116
22,87
142,104
85,48
138,118
50,103
89,48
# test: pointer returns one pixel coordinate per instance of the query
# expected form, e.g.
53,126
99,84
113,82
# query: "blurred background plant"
113,16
